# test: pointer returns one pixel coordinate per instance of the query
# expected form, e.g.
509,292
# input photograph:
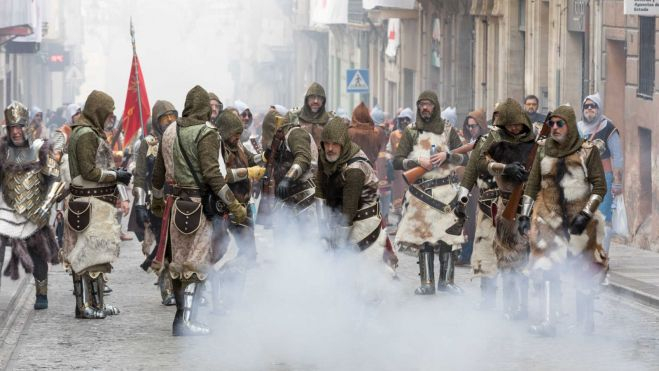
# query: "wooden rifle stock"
413,174
510,212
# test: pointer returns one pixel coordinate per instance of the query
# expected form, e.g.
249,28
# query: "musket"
510,212
412,175
267,183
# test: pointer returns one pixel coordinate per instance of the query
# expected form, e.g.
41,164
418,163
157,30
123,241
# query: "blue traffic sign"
357,81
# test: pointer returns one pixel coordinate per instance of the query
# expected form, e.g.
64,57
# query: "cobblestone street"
395,330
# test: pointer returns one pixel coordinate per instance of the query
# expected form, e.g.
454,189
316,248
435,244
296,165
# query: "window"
646,57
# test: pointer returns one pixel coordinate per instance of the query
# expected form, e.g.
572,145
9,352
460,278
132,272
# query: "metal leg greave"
41,287
98,293
447,273
184,321
546,327
166,289
488,293
516,295
84,302
426,271
585,311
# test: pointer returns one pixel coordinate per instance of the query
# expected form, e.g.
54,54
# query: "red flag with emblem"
136,98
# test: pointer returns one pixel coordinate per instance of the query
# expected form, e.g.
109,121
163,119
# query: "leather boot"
519,311
42,294
426,271
184,322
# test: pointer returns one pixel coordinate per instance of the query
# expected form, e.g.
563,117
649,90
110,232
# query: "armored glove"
523,224
238,211
283,188
255,173
579,223
141,215
158,207
123,176
516,171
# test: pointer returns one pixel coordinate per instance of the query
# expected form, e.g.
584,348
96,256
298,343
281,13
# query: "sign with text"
642,7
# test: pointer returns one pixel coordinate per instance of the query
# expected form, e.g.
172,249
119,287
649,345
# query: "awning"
397,4
17,17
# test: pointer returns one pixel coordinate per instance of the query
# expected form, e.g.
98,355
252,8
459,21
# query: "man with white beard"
347,185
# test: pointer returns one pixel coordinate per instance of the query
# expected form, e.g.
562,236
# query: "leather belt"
490,194
188,191
367,212
297,188
432,183
429,200
369,240
102,193
486,208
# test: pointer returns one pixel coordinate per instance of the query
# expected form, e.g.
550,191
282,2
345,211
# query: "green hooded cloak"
336,131
321,117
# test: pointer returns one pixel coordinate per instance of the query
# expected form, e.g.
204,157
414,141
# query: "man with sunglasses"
565,187
428,221
599,129
501,157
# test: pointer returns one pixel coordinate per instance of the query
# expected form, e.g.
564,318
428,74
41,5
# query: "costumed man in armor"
313,116
428,222
91,235
347,184
502,157
188,160
30,181
146,225
242,169
294,157
484,188
567,183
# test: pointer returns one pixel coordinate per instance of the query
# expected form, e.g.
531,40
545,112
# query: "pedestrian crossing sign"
357,80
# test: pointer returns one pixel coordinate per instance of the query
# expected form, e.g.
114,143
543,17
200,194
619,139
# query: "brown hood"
573,141
320,117
435,123
361,117
98,107
336,132
479,116
197,108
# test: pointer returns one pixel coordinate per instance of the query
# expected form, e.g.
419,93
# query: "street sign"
357,80
642,7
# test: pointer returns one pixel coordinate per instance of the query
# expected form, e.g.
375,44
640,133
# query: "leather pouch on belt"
187,215
78,215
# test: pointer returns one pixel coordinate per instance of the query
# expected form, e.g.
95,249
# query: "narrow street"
315,314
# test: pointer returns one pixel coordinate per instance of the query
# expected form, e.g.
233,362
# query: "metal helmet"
16,114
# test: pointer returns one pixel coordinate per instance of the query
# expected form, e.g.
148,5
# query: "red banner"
131,116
